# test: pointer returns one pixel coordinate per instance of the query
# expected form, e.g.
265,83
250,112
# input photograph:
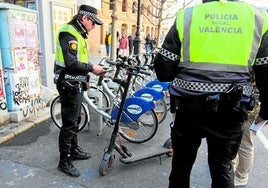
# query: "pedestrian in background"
123,45
117,43
245,156
72,66
130,45
154,43
108,42
209,63
148,43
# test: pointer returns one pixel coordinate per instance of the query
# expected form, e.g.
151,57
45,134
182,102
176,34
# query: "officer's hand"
98,70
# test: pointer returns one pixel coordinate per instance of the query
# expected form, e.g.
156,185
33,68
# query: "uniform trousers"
222,131
71,102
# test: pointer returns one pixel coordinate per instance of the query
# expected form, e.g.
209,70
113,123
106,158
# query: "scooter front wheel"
106,163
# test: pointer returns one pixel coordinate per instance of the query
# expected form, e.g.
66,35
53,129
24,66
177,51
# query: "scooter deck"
145,153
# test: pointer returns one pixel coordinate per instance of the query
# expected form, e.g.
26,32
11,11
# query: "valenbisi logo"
134,109
147,96
158,87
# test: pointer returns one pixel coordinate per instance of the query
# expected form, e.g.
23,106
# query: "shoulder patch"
73,45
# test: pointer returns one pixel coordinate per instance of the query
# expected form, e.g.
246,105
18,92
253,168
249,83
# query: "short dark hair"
78,17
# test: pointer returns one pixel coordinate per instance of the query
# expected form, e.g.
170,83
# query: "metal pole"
137,40
114,38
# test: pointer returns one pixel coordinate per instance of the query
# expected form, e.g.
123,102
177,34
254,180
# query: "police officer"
208,54
72,67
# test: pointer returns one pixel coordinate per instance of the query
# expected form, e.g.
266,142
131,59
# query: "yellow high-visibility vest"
82,49
206,30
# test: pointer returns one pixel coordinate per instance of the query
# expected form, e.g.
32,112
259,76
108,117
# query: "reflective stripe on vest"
82,53
202,29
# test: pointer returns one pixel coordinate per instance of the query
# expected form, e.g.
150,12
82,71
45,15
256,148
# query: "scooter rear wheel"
106,163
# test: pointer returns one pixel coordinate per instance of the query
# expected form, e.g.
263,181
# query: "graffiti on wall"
26,89
20,90
34,106
3,103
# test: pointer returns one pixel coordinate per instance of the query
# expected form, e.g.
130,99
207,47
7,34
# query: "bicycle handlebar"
145,72
128,63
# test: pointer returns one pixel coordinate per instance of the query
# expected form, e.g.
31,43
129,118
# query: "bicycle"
138,124
151,91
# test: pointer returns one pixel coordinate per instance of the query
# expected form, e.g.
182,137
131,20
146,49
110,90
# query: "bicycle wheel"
55,112
95,94
161,110
142,130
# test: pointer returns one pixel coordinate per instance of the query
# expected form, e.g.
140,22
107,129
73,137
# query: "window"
148,10
112,4
142,9
134,7
124,6
31,5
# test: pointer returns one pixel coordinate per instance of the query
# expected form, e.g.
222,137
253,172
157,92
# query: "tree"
163,10
160,12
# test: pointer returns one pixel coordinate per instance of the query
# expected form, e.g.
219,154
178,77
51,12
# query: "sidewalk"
11,130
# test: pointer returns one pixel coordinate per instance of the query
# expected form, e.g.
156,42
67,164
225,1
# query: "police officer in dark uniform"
71,69
208,54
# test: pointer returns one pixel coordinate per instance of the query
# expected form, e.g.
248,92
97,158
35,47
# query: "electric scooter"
128,157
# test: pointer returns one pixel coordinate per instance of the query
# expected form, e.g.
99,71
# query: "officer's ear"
84,18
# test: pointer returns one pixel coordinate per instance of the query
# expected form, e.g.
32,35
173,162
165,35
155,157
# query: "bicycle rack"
96,119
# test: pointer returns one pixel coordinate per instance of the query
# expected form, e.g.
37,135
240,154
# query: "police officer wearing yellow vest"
208,54
72,67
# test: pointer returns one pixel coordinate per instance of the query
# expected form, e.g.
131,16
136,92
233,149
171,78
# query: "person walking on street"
117,44
72,67
130,45
245,156
123,45
208,62
148,43
108,42
244,159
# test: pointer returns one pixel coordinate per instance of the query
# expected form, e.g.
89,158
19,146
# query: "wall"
19,49
49,23
4,115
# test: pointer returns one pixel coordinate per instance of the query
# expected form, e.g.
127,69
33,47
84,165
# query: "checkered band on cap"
261,61
168,54
86,12
208,87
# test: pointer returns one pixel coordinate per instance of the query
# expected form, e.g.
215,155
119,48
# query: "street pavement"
29,157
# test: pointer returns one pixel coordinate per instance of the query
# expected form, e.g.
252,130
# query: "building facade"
49,16
53,13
